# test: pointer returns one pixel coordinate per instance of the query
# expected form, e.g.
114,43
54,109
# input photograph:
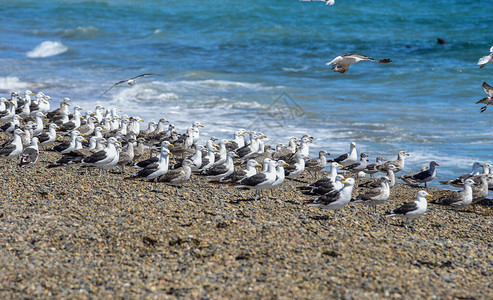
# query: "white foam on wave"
11,83
88,31
46,49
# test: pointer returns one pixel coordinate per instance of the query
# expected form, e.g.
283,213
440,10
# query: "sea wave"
11,84
46,49
81,32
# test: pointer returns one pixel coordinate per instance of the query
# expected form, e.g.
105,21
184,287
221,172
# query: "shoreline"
70,234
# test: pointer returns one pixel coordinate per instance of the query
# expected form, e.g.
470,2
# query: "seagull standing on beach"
376,195
412,210
336,199
486,59
398,163
458,199
30,154
488,100
14,148
342,62
425,176
459,181
130,81
349,158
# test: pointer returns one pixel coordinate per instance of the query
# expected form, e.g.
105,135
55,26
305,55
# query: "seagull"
130,81
372,168
48,137
325,187
458,199
349,158
317,164
218,172
327,182
412,210
425,176
30,154
155,169
376,195
342,62
358,166
104,157
336,199
398,163
486,59
176,176
238,175
488,100
14,148
294,170
261,180
459,182
376,183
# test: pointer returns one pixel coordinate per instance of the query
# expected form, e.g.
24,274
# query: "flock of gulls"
106,139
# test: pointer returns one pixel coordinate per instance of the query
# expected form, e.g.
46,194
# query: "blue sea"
261,64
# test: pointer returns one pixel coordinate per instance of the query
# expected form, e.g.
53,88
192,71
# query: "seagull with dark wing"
415,179
412,210
342,63
458,199
130,81
488,100
486,59
336,199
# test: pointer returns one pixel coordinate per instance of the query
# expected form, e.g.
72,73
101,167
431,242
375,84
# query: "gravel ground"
65,233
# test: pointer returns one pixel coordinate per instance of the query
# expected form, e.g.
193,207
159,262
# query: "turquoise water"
261,64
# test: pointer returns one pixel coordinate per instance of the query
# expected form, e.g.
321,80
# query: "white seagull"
486,59
342,62
412,210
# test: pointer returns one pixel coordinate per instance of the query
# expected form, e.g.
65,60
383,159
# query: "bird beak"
201,125
310,141
82,118
344,181
429,195
57,127
230,143
103,130
171,145
247,132
44,116
23,133
236,156
259,165
307,157
84,140
286,164
242,135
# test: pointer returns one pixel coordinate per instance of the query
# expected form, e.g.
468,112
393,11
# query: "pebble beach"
66,233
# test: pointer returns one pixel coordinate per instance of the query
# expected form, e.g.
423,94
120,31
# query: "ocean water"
261,64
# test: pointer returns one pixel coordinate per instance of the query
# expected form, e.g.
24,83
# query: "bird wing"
484,60
370,194
421,175
328,198
404,209
488,89
340,158
7,150
216,170
253,180
312,163
95,157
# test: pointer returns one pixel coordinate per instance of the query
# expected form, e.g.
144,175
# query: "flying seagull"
486,59
342,63
130,81
488,89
